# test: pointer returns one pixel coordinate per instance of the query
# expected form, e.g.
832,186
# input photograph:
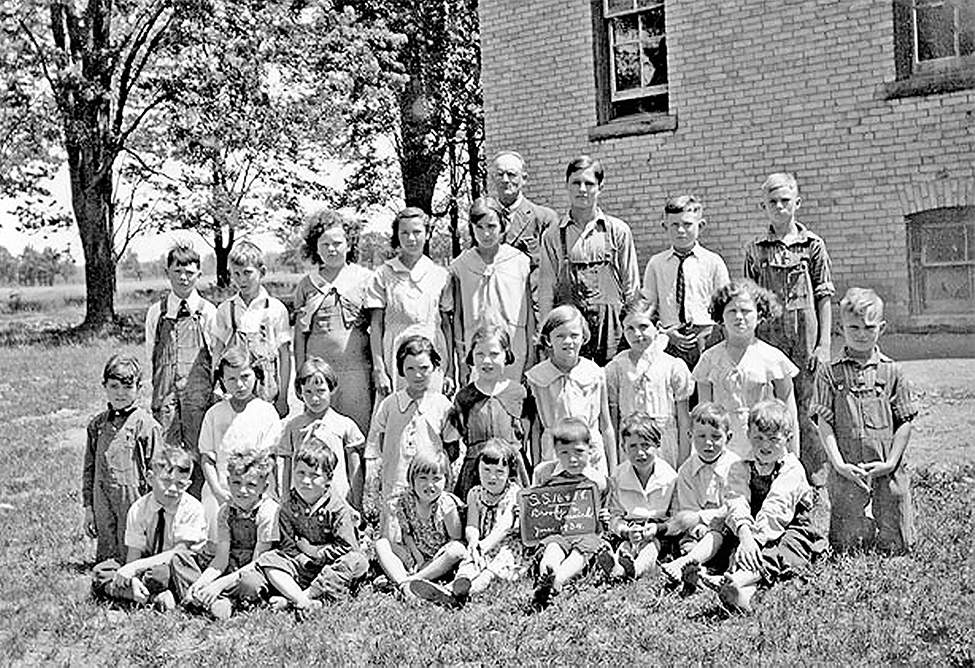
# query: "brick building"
871,103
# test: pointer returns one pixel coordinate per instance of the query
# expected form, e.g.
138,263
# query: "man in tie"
680,280
179,338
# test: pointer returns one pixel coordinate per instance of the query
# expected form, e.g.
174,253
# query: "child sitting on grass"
700,504
247,527
768,509
564,558
422,542
318,557
119,449
494,549
640,495
163,532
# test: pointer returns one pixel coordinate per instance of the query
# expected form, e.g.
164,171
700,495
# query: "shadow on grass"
125,329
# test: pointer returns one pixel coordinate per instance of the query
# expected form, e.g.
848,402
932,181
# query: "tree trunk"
421,161
221,252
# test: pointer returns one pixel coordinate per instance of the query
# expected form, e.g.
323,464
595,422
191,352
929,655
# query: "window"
631,66
934,46
941,258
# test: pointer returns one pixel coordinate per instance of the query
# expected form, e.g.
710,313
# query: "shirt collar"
419,270
547,373
323,501
120,412
802,235
696,463
588,472
517,204
262,293
193,302
875,357
674,253
628,478
598,217
403,400
341,283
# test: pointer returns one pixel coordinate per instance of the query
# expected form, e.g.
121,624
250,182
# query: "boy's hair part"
498,451
713,415
317,455
766,303
240,462
327,219
315,366
641,425
683,203
771,416
780,180
581,164
416,345
428,462
571,430
640,305
562,315
181,254
489,331
126,369
247,254
863,302
411,213
175,456
238,357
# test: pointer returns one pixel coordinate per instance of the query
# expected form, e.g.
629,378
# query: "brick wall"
756,87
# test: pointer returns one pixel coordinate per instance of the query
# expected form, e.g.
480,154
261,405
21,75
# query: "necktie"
184,310
679,286
159,536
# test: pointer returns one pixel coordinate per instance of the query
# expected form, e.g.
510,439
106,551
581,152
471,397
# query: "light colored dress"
412,300
579,394
495,293
651,385
505,560
334,318
739,386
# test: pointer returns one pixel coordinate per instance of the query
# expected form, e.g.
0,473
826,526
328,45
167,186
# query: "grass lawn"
918,609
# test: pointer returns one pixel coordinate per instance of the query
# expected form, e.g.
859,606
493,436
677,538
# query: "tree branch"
128,78
123,136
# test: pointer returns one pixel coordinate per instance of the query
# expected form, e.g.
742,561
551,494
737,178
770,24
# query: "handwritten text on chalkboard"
569,510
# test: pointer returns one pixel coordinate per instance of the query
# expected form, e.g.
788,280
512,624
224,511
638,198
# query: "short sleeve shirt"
184,524
651,385
264,317
633,501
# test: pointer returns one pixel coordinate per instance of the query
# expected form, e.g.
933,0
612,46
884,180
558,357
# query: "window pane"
626,29
655,104
948,290
935,30
616,6
649,3
627,72
652,22
655,63
944,244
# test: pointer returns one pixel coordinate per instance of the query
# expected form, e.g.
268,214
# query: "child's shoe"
279,603
734,598
461,589
629,568
164,601
431,592
606,561
544,590
690,576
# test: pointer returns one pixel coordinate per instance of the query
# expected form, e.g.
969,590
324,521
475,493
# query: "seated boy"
319,555
564,558
769,508
163,532
701,497
640,494
247,527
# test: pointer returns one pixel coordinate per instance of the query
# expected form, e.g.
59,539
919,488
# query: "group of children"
695,439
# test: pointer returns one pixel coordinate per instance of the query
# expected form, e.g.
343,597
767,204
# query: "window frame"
930,77
952,217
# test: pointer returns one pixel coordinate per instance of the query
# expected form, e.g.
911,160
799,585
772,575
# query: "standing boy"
679,281
792,262
864,408
179,343
255,320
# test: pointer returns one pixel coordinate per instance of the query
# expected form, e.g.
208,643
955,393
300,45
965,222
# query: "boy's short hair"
240,462
126,369
238,357
771,416
410,213
561,315
491,330
428,462
640,305
711,414
571,430
581,164
766,303
416,345
175,456
682,204
641,425
315,366
327,219
247,254
780,180
317,455
181,254
863,302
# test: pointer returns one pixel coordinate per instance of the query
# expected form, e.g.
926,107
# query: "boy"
701,495
564,558
163,532
179,342
863,407
119,449
640,494
769,508
319,555
247,527
258,322
792,262
679,281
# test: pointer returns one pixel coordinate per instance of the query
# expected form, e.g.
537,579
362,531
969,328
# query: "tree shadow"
125,329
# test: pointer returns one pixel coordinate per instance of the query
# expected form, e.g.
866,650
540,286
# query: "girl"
568,385
492,517
241,421
645,379
491,406
406,295
742,370
422,538
489,282
332,321
411,421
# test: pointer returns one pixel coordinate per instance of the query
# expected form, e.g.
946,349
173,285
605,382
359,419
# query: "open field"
918,609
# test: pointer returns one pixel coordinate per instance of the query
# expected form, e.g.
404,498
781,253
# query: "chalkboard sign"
568,509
